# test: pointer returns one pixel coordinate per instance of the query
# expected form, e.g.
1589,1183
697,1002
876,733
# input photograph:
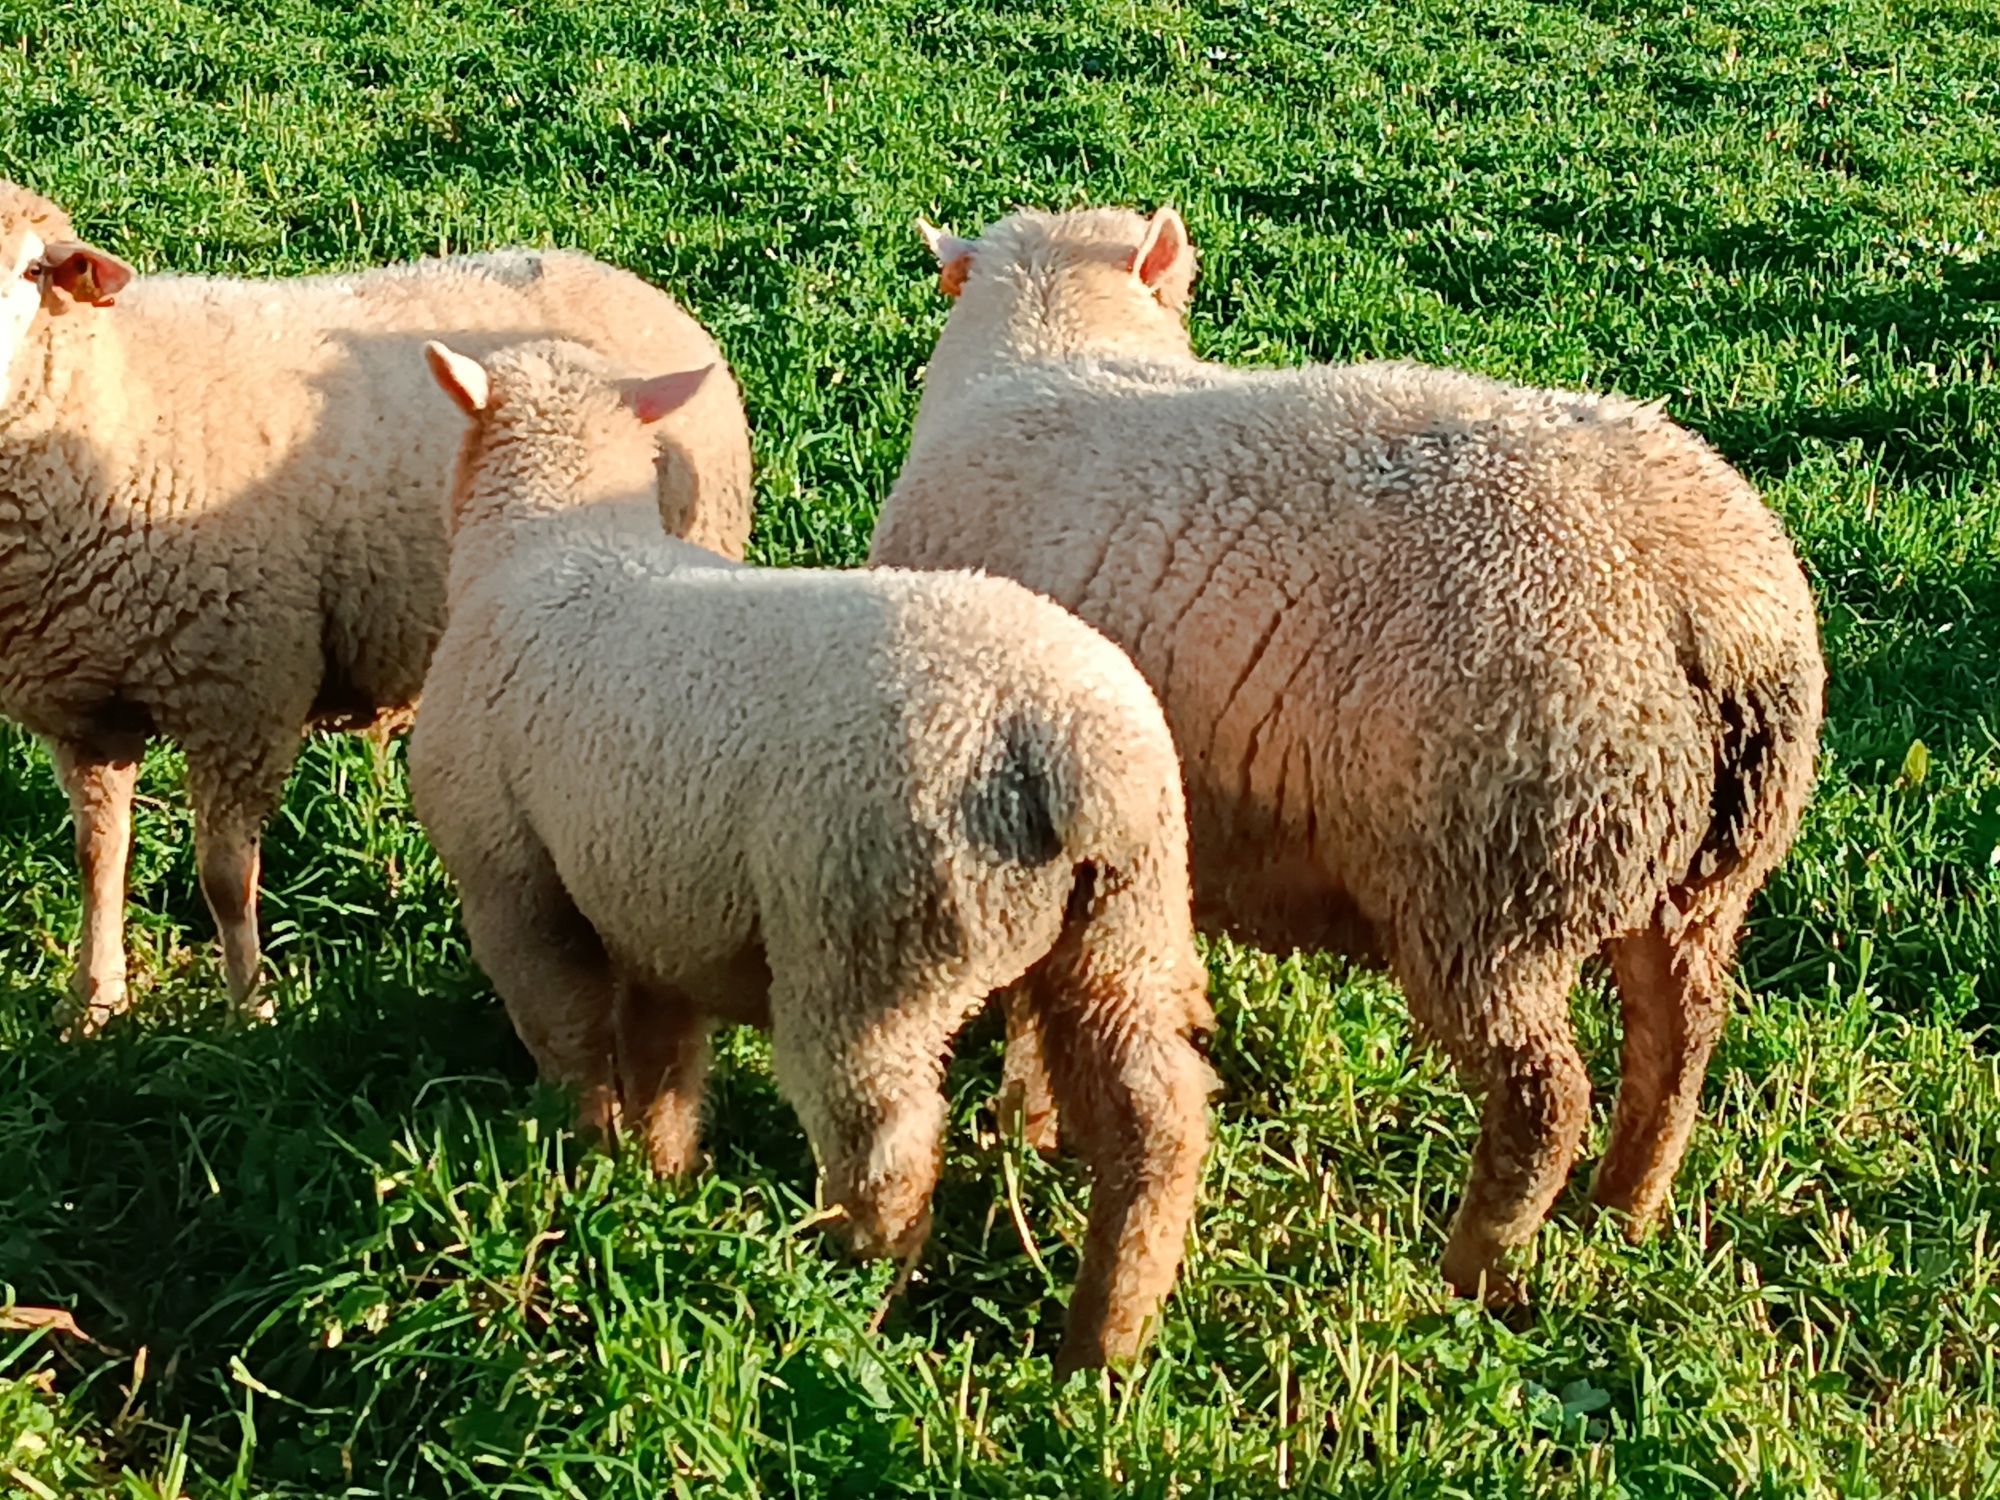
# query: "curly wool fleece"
849,806
220,518
1477,678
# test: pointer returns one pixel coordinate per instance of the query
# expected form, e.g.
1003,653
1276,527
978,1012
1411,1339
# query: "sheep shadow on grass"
370,1210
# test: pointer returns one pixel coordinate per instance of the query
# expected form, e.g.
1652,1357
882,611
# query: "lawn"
358,1254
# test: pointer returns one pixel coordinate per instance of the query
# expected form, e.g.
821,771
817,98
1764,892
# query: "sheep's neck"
34,391
1028,326
530,471
526,503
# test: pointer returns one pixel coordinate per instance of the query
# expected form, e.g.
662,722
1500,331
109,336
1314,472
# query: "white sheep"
220,523
1477,678
846,806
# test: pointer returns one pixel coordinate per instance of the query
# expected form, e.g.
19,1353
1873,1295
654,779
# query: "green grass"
357,1254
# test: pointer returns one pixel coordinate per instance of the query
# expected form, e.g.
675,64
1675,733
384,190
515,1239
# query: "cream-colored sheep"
846,806
219,521
1475,678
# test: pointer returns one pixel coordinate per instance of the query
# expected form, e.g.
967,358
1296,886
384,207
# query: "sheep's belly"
735,988
1281,900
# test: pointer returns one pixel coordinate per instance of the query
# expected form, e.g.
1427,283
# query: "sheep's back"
249,481
711,752
1410,642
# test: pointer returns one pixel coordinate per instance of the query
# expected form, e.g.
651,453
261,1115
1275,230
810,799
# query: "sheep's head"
554,417
1090,276
47,268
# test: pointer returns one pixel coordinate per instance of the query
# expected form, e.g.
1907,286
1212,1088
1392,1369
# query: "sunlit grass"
358,1254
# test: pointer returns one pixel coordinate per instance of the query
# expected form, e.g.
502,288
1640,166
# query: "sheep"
848,807
218,524
1473,679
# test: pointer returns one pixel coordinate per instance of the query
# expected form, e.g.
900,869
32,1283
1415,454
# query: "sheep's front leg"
100,780
233,796
865,1083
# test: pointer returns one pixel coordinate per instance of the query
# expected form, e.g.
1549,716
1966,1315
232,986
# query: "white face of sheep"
20,299
52,277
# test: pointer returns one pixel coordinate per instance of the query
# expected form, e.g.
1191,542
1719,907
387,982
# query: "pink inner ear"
653,399
1163,251
462,379
85,273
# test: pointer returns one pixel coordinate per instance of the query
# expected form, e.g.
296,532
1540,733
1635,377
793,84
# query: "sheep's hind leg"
1026,1100
233,797
551,972
1510,1036
100,779
1133,1094
1672,992
662,1042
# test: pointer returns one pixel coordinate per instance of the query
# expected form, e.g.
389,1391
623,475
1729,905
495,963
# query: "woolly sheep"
1478,679
218,524
846,806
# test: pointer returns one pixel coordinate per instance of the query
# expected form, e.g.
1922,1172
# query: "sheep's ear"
653,399
74,274
954,256
459,376
1164,261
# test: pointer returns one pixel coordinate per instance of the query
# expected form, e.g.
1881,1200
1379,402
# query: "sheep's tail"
1101,792
1765,731
1747,639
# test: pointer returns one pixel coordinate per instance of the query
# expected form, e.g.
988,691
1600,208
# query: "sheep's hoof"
868,1236
1073,1356
1069,1363
1478,1274
1637,1230
257,1009
597,1116
79,1020
1112,1349
675,1160
91,1006
1636,1222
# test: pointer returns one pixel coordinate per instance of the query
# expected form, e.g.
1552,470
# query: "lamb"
217,523
1475,679
848,807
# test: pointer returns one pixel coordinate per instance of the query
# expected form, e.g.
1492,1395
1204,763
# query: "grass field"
357,1253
